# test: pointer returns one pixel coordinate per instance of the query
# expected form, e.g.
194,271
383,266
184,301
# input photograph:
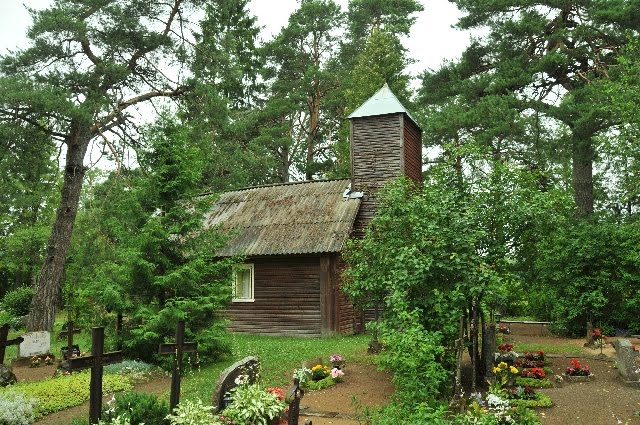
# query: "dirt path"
334,406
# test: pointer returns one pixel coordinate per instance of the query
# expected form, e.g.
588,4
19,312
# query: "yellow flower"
316,367
502,365
514,370
496,370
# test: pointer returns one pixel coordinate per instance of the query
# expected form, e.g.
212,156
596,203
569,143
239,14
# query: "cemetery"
540,379
205,221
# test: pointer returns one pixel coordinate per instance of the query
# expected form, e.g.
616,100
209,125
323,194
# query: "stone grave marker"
229,379
177,349
35,344
628,362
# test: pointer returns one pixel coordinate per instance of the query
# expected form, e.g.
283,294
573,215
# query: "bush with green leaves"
253,404
588,271
139,408
190,412
414,356
16,408
17,301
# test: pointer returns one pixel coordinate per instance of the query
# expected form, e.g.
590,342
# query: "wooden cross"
95,362
177,349
4,342
69,334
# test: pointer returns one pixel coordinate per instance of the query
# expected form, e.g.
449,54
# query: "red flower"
505,347
279,392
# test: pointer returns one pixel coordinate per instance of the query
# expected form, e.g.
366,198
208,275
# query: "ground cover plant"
58,393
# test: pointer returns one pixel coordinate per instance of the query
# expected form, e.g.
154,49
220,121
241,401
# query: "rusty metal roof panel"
298,218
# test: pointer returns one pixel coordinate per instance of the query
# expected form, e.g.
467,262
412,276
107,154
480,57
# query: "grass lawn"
279,356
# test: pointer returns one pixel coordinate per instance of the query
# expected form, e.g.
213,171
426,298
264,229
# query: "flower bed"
577,372
537,400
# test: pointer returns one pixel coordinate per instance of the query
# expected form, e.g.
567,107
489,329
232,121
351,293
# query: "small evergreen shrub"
17,301
16,408
139,408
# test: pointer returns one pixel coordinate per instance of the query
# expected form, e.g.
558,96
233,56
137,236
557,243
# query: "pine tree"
90,62
531,76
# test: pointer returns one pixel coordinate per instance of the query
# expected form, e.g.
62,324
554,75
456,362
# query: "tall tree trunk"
43,306
312,134
582,169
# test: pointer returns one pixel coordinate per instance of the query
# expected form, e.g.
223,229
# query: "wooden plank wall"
287,298
412,151
376,157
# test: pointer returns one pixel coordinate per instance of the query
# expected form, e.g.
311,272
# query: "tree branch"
178,91
143,51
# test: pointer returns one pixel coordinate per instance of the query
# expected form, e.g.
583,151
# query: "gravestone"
35,344
628,362
96,362
176,349
230,378
71,350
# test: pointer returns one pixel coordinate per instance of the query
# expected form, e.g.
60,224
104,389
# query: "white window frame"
243,267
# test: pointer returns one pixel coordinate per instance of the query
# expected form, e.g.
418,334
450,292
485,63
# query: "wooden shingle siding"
412,151
376,144
287,298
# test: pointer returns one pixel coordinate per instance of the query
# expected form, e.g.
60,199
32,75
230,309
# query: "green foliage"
397,414
17,408
144,250
132,368
320,384
140,408
55,394
192,413
18,300
540,400
28,176
475,415
533,382
436,237
413,355
589,272
252,404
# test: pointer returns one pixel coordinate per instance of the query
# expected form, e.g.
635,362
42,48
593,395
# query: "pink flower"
336,373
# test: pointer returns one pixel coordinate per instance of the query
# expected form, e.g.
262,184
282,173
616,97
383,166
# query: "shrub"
252,404
412,355
321,384
192,413
17,301
135,369
16,408
140,408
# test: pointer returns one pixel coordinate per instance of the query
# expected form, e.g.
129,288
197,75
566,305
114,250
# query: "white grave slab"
34,344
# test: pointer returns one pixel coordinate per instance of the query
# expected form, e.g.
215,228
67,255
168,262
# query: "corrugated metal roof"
299,218
383,102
